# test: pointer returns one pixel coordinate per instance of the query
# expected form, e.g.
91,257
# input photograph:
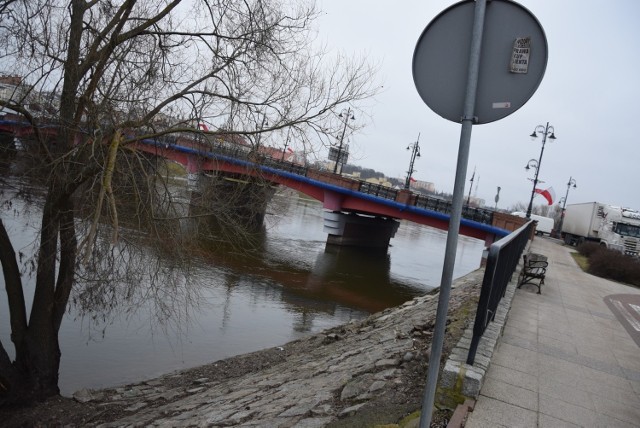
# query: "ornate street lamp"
545,131
415,152
286,144
571,183
473,177
259,133
345,116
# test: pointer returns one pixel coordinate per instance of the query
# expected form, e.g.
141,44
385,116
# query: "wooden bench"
534,268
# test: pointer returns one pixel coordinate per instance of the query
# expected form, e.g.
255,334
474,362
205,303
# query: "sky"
588,94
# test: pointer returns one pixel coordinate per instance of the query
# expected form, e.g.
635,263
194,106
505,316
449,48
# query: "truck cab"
624,236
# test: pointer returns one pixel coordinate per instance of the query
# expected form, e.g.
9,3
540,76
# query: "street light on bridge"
415,152
286,144
259,130
345,116
546,130
572,182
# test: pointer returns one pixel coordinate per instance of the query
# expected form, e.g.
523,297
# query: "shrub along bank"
611,264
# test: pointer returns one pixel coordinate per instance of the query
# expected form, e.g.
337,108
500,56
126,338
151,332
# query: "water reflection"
240,296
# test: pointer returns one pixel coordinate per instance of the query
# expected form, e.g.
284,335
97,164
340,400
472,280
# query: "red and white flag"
203,126
413,180
548,194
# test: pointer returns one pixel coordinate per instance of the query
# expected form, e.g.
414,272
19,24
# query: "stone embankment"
366,372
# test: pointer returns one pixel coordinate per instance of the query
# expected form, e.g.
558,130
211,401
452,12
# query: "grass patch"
581,260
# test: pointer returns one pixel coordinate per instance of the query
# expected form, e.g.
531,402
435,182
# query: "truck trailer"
613,227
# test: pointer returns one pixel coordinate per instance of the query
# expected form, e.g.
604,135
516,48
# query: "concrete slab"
567,412
547,421
510,394
513,377
517,358
495,413
619,411
568,393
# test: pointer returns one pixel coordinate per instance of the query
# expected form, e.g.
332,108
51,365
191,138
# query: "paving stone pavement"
309,390
564,359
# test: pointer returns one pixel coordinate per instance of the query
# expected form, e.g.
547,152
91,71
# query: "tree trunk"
33,375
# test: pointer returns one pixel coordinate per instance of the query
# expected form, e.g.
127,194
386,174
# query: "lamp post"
259,129
286,144
415,152
473,177
345,116
572,182
546,130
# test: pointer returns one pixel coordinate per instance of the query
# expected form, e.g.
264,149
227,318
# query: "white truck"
613,227
545,224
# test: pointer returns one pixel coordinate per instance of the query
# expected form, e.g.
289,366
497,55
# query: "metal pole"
564,204
535,179
416,150
339,159
454,223
473,176
286,143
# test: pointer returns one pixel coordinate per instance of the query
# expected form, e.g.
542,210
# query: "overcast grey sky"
590,94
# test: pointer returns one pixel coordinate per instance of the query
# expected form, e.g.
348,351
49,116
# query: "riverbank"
360,374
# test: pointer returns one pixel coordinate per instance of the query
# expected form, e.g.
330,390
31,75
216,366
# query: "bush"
611,264
588,248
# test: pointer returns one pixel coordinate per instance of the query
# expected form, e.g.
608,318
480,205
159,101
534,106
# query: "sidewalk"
564,360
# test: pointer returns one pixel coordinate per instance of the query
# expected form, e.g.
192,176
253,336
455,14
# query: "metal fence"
220,148
502,262
378,190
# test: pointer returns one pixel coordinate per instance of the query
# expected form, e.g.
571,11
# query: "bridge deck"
337,193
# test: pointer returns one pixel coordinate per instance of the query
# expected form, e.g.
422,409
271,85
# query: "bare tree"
113,72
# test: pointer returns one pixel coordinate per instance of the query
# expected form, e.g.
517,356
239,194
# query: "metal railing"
434,204
421,201
502,262
378,190
213,147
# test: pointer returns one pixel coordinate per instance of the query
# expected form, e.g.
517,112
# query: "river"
292,286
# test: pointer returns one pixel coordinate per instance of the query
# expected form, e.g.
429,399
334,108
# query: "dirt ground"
391,405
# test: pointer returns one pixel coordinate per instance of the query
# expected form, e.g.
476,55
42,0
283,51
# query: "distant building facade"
426,186
11,88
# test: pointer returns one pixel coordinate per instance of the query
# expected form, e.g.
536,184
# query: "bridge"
356,212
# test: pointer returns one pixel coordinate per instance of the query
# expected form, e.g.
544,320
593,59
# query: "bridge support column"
234,201
359,230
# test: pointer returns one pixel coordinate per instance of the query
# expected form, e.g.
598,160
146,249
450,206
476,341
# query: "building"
426,186
11,88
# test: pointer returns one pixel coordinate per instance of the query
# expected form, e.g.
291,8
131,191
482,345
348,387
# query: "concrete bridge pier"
236,201
356,230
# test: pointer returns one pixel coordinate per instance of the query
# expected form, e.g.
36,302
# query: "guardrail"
502,261
421,201
215,146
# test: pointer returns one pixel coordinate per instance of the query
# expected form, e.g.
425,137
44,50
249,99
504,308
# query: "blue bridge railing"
440,205
219,147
